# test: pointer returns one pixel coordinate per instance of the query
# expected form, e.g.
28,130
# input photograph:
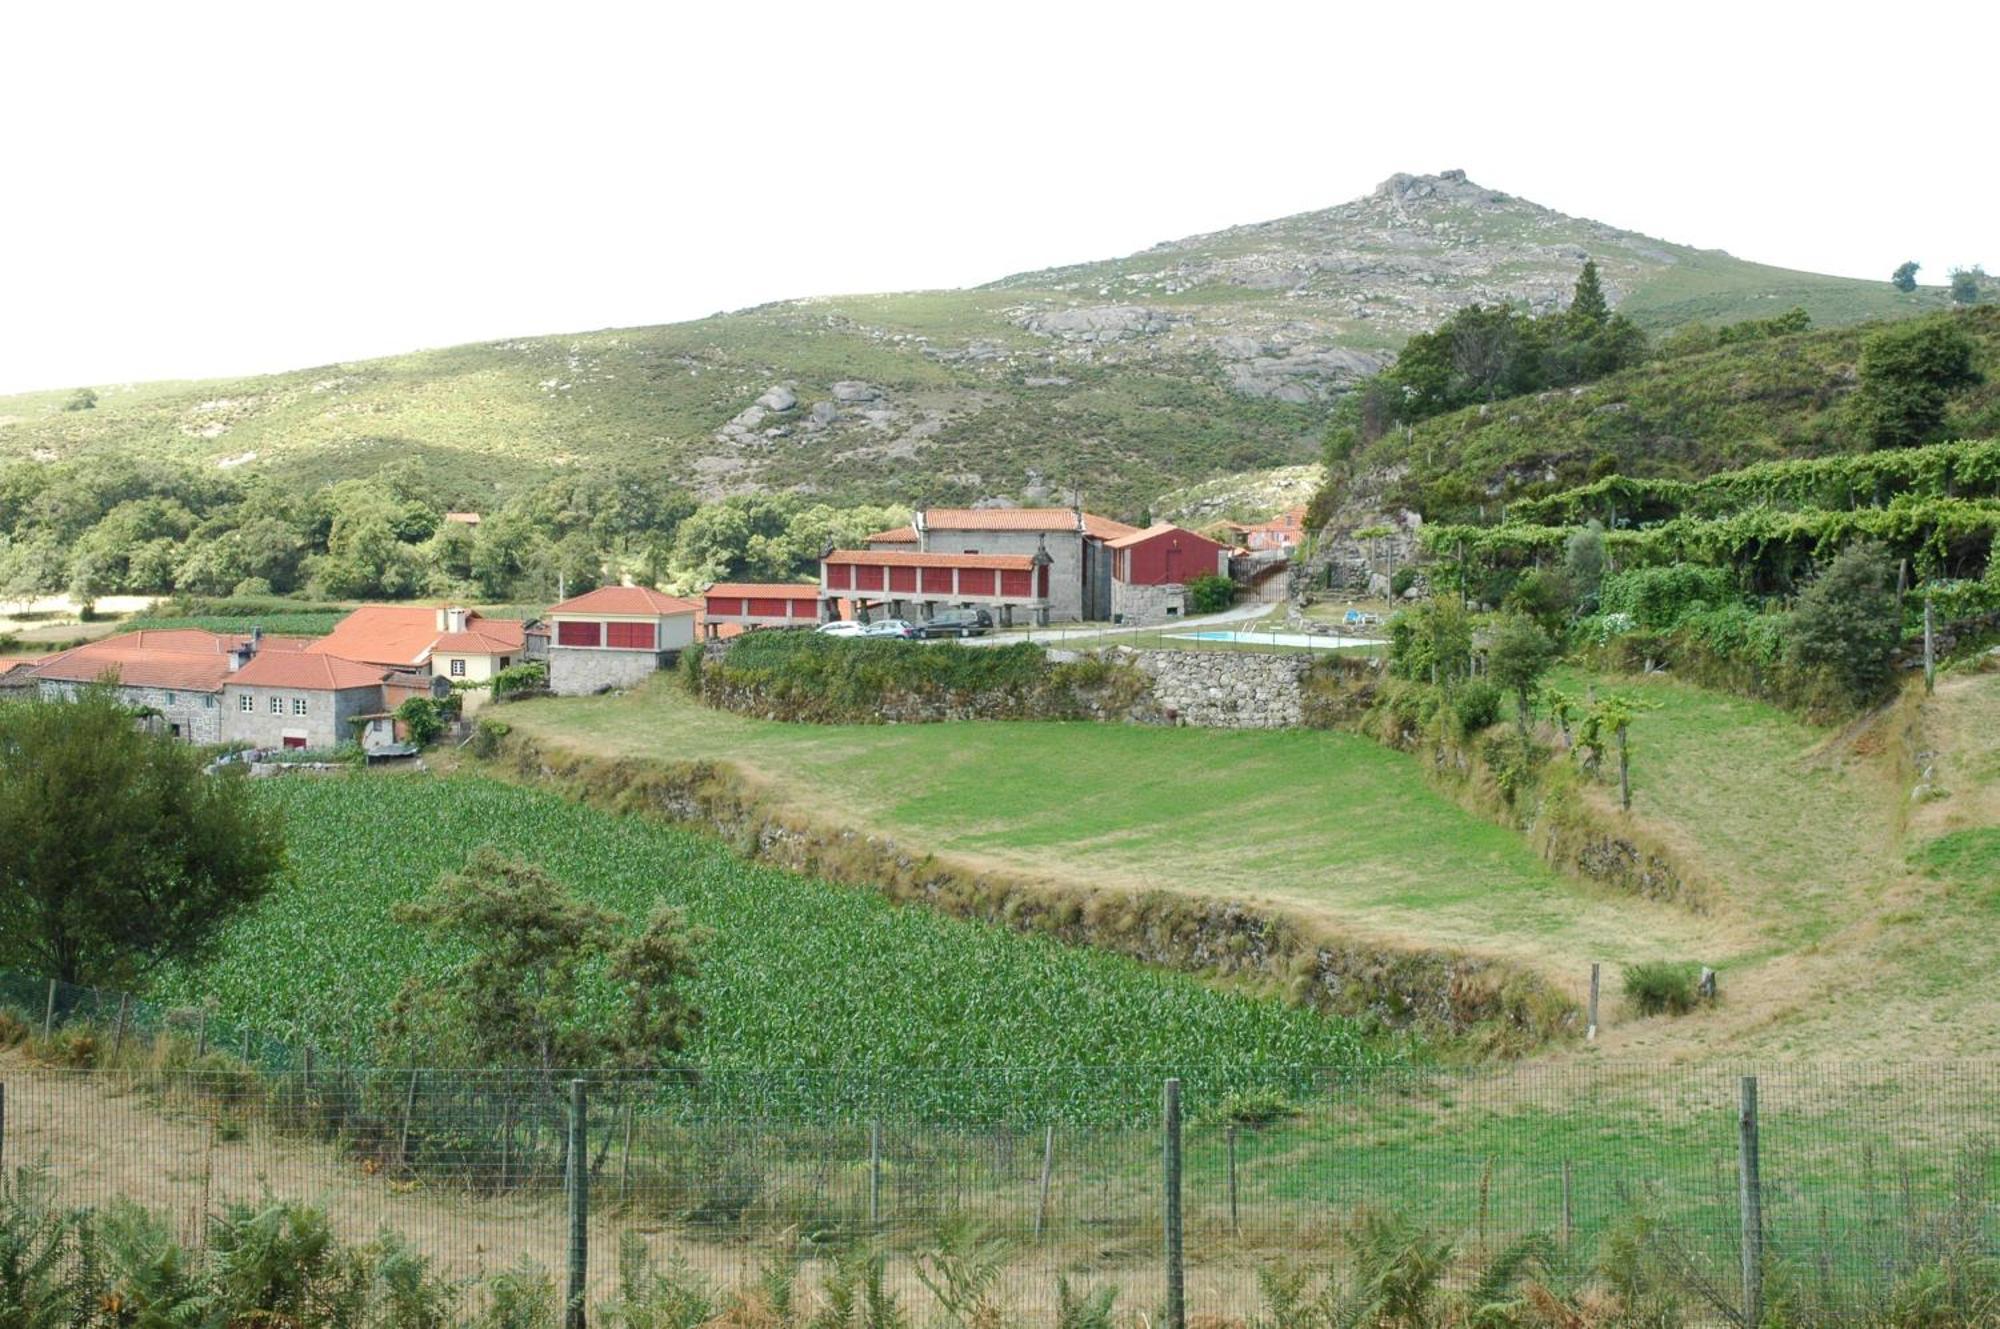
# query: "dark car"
958,623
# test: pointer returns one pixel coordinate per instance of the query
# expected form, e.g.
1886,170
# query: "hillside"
1681,417
1193,359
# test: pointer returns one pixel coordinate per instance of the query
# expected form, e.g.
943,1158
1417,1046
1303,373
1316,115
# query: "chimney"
256,637
454,619
441,612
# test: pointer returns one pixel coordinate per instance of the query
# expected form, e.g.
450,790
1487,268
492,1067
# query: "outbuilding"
614,637
913,585
756,604
1150,570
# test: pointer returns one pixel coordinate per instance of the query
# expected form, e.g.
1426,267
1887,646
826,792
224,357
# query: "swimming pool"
1304,640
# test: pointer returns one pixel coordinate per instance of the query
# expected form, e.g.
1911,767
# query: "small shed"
615,636
1150,570
750,604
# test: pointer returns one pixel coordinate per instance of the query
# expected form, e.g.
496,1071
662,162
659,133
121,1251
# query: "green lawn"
1327,824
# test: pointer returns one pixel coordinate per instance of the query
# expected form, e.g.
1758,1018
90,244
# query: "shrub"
690,669
1847,624
1659,597
1662,987
1401,580
251,586
423,719
1477,706
1210,593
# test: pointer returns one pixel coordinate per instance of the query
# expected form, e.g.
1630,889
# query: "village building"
1071,546
1286,532
1150,570
175,676
614,637
458,645
749,604
907,584
307,699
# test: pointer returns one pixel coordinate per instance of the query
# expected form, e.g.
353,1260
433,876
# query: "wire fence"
1721,1191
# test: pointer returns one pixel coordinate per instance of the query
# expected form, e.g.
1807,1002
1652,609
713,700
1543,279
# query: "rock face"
853,390
1099,323
779,398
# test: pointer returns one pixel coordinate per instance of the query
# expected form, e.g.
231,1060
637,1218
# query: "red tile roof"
1140,537
765,590
899,559
308,672
623,600
408,634
185,659
1022,519
901,535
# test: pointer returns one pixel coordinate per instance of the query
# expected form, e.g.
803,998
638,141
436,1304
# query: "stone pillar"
930,610
1006,616
1041,616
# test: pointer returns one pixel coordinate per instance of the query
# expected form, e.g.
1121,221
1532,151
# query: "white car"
890,627
841,627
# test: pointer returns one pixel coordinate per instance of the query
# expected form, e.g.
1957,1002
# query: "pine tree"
1588,305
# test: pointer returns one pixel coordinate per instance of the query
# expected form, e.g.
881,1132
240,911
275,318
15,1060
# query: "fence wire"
1868,1177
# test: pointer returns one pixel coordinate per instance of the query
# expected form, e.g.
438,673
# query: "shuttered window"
629,636
569,633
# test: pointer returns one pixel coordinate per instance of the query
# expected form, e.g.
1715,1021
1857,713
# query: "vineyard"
799,974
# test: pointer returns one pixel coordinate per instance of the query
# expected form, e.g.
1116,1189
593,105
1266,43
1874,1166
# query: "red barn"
1150,570
754,604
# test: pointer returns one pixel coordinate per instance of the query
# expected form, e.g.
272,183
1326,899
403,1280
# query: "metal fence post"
1750,1202
49,1014
579,1206
3,1132
1590,1034
118,1038
1048,1172
874,1172
1176,1314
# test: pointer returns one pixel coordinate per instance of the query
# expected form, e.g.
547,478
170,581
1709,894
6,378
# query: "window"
246,702
629,636
277,705
208,701
569,633
506,661
298,706
458,669
169,701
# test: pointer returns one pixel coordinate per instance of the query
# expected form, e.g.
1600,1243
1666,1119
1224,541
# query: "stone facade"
1147,605
273,715
194,717
1226,689
579,671
1066,552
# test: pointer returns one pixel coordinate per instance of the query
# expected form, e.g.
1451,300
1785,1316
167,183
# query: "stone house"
175,675
615,637
1075,544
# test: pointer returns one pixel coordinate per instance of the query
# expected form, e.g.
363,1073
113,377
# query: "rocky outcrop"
1100,323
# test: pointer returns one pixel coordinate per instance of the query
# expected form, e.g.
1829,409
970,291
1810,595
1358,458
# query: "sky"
213,190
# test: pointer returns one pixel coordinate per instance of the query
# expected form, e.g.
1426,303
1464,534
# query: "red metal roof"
308,672
623,600
765,590
408,634
1021,519
899,559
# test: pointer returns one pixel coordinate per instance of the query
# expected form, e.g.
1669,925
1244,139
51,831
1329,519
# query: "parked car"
958,623
841,627
891,627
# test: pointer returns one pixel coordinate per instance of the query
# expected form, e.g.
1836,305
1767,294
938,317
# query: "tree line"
98,525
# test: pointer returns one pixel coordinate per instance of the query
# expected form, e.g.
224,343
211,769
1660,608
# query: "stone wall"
194,717
1224,689
1148,605
576,671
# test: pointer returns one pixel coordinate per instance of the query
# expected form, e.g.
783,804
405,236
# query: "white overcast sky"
201,189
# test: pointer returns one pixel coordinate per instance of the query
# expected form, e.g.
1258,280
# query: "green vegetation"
836,680
1908,376
1661,987
1675,419
1210,593
797,974
117,855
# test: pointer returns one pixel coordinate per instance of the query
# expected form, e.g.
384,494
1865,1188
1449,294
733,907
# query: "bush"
1477,706
1662,987
1210,594
1847,625
1401,580
251,586
422,718
1660,597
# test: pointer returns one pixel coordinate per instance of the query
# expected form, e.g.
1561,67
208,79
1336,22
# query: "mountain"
1193,359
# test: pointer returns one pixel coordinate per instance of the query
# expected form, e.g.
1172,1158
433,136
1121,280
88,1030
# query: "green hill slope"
1208,355
1682,418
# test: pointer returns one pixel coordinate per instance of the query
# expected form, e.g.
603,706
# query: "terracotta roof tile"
901,535
407,634
1022,519
765,590
308,672
623,600
899,559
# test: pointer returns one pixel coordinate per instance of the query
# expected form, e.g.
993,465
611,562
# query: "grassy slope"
1684,417
1324,824
1828,905
979,400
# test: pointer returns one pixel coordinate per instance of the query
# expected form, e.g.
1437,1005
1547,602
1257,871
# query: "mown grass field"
1327,825
797,974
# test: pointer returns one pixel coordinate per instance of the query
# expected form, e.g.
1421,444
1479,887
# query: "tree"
1847,623
116,852
421,719
1904,278
83,399
533,952
1908,373
1583,561
1966,284
1588,309
1517,657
